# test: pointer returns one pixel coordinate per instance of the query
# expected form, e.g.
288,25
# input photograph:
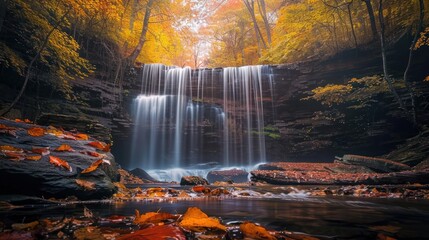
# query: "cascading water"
187,118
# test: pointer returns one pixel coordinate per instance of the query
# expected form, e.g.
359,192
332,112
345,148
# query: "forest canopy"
111,36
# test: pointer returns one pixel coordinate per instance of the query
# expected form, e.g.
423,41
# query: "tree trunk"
410,58
263,12
33,60
133,14
371,18
133,56
251,8
349,11
2,12
383,56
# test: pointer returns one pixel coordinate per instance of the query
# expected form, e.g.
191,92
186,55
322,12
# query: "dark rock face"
81,123
43,179
193,180
234,175
143,175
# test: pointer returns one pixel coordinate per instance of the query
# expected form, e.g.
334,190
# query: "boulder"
41,178
193,180
234,175
143,175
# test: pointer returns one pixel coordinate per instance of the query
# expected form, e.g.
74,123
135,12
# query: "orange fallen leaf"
7,148
36,132
15,156
152,217
201,189
196,220
254,231
2,126
95,165
87,185
64,148
60,163
81,136
155,233
92,154
44,150
22,121
33,158
106,148
100,145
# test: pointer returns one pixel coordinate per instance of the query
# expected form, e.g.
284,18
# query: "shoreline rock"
232,175
41,177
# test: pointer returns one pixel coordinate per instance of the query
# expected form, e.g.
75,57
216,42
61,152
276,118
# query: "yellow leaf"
196,220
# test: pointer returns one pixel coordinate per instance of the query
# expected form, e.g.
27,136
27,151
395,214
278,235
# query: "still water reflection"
327,217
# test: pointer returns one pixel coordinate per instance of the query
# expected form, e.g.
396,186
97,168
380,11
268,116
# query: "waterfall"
186,117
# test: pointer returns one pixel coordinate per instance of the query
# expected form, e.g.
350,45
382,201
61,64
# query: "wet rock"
82,124
143,175
193,180
233,175
43,179
376,164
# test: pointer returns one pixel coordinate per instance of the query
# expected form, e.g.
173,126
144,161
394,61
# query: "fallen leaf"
7,148
15,156
36,132
183,194
64,148
60,163
23,226
44,150
2,126
88,233
81,136
87,185
152,217
87,213
252,230
33,158
92,154
200,189
54,131
196,220
22,121
95,165
156,233
106,148
100,145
